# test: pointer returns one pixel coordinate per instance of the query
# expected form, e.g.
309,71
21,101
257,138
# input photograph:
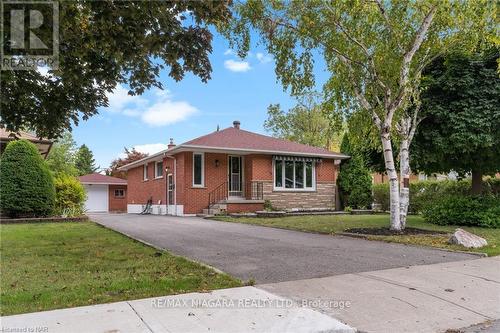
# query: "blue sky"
239,90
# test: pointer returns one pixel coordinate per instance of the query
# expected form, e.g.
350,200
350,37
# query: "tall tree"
103,44
131,155
460,130
374,51
308,122
61,158
84,161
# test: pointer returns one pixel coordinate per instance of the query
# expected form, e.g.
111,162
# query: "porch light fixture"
217,163
167,169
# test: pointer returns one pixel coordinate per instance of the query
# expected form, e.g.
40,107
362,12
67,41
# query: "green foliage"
27,186
424,193
268,205
84,161
460,130
70,196
466,210
355,182
132,155
381,196
309,122
61,159
104,44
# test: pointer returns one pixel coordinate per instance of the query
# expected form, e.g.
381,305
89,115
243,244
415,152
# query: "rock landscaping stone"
466,239
265,213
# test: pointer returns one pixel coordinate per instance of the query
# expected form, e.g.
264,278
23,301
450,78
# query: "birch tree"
373,51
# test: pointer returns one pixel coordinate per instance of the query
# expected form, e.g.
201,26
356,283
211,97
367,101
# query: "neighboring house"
104,193
381,178
235,170
42,144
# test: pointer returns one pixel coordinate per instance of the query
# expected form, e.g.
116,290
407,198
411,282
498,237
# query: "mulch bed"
388,232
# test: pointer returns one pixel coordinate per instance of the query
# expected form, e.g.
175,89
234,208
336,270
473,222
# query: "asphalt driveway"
266,254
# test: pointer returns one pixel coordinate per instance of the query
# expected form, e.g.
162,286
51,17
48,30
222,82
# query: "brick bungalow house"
235,170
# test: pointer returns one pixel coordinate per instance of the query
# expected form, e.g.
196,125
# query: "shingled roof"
97,178
235,140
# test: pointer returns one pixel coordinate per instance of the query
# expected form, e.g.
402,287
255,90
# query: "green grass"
56,265
331,224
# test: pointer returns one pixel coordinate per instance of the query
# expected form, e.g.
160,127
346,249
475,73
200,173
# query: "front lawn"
330,224
57,265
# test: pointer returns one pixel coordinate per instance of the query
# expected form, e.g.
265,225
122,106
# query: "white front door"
235,176
97,198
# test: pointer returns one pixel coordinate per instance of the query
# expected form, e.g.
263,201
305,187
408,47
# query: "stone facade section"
322,198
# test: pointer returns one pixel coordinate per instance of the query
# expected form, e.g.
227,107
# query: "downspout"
175,184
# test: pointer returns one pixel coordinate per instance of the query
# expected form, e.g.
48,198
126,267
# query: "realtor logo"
29,34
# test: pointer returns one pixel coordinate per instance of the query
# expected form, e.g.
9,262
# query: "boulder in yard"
464,238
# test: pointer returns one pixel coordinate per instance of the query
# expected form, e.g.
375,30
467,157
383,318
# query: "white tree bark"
405,171
393,180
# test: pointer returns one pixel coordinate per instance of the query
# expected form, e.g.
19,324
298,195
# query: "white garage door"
97,198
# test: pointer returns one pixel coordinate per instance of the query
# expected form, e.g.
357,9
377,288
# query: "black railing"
254,190
218,194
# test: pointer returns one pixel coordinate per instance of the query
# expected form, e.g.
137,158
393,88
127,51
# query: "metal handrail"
218,194
254,190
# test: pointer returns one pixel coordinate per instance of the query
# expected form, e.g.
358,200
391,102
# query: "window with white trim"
294,175
159,169
198,169
119,193
145,172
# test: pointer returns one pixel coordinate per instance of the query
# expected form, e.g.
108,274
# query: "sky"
240,89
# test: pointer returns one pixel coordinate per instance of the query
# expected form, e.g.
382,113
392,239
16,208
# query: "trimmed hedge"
27,186
481,211
424,193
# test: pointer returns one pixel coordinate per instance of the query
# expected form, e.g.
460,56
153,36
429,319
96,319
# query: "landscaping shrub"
424,193
354,179
27,186
466,210
381,196
70,196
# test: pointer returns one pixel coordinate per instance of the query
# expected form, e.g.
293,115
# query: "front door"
170,198
235,176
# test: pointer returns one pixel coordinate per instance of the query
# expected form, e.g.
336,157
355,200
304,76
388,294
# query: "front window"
293,175
159,169
198,169
119,193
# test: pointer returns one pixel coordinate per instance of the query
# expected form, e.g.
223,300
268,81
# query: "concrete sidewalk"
430,298
235,310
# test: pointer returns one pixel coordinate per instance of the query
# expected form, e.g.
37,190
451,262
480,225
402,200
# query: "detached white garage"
104,193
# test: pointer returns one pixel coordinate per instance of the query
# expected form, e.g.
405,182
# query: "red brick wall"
240,208
196,199
326,171
117,204
140,191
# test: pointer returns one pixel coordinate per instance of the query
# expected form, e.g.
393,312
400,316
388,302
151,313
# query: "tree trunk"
405,171
477,181
393,182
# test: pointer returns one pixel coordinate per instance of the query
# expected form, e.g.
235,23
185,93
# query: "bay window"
293,175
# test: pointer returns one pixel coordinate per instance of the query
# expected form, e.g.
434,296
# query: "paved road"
270,255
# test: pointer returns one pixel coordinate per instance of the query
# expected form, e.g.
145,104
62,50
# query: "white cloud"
119,99
263,58
167,112
159,109
237,66
229,52
149,148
